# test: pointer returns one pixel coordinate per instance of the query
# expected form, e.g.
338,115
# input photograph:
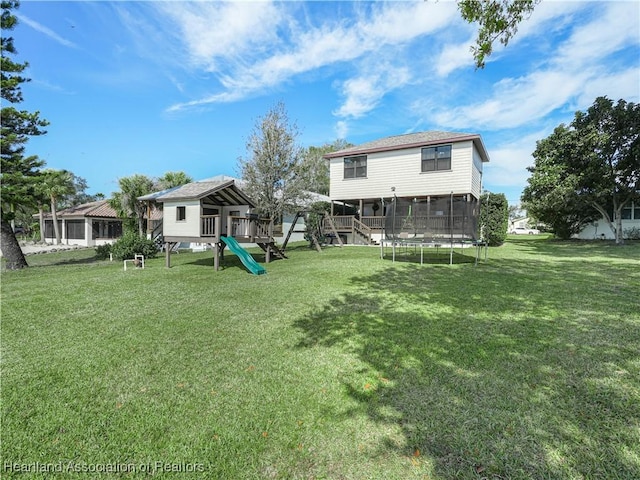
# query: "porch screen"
75,229
442,217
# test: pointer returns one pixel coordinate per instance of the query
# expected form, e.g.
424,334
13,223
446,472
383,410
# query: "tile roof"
99,208
411,140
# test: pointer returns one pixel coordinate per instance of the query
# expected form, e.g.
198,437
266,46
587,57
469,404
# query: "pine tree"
18,171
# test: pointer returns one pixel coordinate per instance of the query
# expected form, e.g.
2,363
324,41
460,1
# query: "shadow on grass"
495,371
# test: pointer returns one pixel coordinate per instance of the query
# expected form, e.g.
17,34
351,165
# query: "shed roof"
411,140
222,192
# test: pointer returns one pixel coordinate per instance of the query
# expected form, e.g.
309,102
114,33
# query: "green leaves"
498,21
587,169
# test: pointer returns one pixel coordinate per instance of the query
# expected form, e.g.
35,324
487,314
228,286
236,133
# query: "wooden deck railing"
249,227
345,223
208,225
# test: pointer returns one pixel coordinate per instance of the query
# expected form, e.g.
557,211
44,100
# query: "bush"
131,244
494,218
103,251
632,233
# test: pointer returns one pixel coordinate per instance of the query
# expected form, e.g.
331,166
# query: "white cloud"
46,31
241,71
341,129
215,32
574,72
363,93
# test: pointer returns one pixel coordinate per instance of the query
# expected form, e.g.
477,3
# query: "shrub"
494,217
632,233
103,251
130,244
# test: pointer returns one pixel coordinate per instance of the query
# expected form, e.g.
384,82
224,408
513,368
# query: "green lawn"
337,365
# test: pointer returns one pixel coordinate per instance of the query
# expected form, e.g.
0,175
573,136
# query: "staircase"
362,233
275,251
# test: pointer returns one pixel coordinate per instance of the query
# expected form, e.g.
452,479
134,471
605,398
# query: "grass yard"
337,365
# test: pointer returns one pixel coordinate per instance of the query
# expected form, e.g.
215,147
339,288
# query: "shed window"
181,214
355,167
436,158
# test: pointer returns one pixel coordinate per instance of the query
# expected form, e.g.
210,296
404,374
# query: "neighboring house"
600,229
88,225
424,168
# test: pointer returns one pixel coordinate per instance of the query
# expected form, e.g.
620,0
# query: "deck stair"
274,249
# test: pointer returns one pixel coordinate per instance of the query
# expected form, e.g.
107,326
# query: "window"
75,229
106,229
355,167
181,214
436,158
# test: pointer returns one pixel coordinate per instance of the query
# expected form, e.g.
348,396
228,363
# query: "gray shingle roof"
411,140
223,192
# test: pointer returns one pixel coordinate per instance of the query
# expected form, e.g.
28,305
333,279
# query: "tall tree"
552,191
315,169
18,170
126,203
56,184
173,179
498,20
593,165
272,167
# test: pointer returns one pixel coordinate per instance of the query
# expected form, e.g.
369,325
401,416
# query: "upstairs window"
181,214
355,167
436,158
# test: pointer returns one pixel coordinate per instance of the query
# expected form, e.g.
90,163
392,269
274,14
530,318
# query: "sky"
150,87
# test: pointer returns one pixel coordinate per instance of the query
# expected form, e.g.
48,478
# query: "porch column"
149,226
360,208
167,254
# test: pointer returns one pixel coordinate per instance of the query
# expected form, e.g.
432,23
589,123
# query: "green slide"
246,259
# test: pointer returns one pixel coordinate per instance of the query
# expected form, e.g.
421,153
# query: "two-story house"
424,170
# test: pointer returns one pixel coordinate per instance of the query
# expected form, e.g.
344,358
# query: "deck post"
167,254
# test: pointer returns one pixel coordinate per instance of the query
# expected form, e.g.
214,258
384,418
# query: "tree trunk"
11,250
619,236
54,214
41,212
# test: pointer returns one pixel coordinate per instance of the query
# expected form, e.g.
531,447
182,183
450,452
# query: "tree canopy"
498,20
18,171
587,170
272,168
125,202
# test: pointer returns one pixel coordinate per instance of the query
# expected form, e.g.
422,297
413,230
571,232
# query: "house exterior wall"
402,169
189,227
600,230
87,228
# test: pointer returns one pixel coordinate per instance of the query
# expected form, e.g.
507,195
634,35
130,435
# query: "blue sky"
150,87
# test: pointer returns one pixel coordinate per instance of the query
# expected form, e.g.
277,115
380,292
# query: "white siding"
401,169
190,227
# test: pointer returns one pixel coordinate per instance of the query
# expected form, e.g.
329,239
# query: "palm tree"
173,179
126,203
55,184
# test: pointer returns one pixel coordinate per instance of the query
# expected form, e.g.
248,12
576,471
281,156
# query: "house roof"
222,192
99,208
412,140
